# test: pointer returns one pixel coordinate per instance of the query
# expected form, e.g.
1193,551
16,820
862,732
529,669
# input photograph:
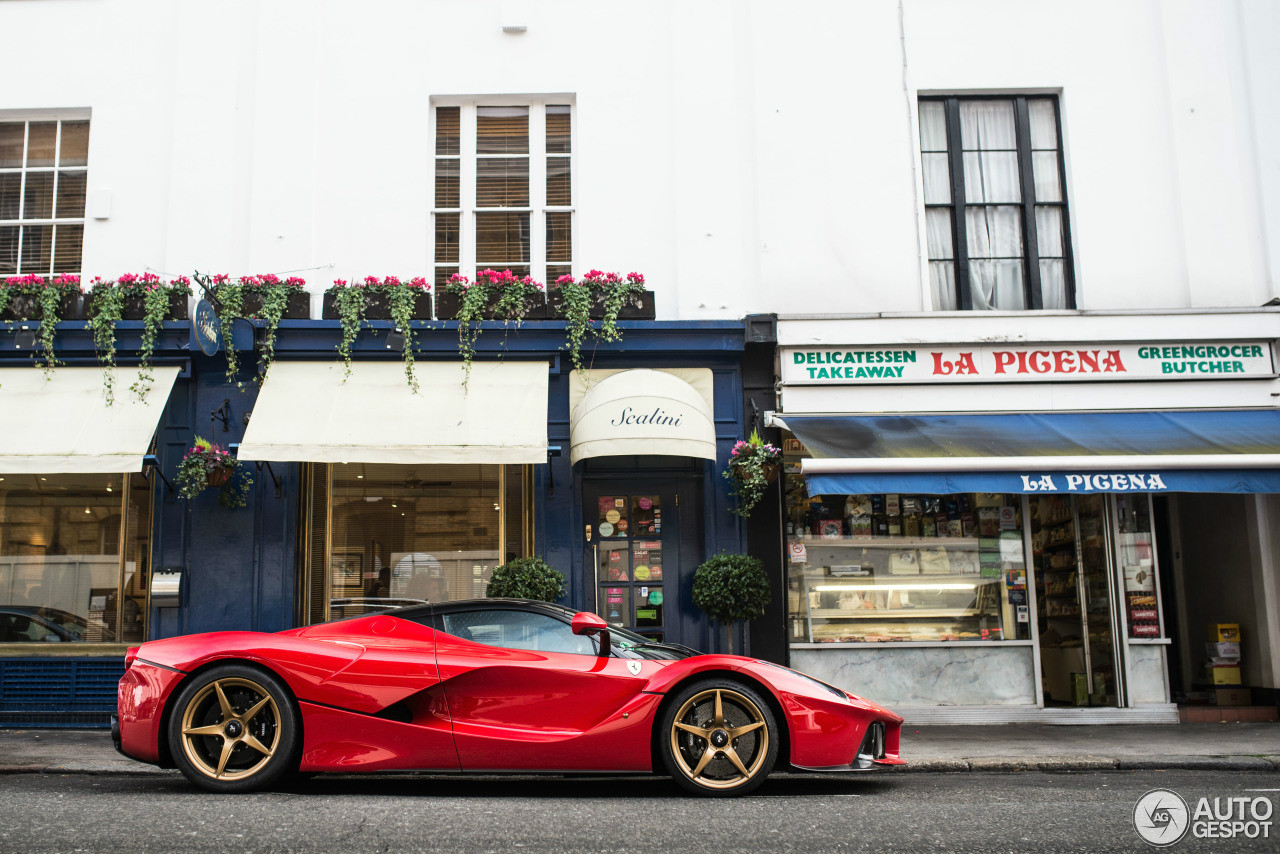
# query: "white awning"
642,411
63,425
306,413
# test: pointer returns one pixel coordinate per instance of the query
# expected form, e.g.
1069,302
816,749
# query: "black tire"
718,756
234,728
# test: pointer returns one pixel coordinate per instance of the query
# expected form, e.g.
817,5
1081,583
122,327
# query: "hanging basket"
218,477
771,471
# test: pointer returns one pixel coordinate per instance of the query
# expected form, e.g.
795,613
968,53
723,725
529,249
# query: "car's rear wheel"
234,729
719,738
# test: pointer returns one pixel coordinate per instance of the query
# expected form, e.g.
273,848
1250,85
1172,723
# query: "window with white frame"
504,188
995,205
43,182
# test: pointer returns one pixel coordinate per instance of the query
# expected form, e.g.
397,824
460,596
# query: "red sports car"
487,685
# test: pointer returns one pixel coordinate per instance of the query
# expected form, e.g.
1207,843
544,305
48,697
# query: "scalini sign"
998,363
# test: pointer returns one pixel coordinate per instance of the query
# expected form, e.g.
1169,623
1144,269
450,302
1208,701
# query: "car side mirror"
586,623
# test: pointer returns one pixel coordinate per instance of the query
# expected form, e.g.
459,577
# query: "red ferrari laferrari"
487,685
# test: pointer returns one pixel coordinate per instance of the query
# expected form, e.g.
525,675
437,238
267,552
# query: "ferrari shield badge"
634,667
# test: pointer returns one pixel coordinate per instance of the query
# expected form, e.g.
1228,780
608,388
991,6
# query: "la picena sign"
1027,363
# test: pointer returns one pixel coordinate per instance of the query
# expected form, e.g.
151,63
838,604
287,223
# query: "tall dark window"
995,208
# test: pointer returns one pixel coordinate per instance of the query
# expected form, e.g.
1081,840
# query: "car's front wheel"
719,738
234,729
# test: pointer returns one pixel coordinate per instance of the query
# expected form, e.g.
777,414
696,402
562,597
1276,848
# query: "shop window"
995,204
504,188
73,558
896,567
382,536
43,185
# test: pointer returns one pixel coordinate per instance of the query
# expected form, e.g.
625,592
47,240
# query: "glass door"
631,543
1098,602
1077,601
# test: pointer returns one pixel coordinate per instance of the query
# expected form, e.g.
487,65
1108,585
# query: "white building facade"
993,178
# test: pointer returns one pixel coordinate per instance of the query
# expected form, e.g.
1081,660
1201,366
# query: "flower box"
377,306
448,305
134,307
27,307
297,305
639,306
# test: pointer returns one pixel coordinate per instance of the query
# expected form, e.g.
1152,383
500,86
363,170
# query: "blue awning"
1185,451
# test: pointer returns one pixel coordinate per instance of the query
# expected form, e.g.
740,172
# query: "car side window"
517,630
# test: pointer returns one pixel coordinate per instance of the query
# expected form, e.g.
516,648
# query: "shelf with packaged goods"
896,613
889,542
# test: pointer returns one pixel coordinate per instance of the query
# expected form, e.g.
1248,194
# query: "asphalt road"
907,812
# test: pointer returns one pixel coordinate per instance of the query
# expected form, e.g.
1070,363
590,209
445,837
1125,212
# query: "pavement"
996,748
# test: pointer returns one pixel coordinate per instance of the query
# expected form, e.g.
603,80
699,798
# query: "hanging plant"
46,298
355,300
349,299
264,297
108,303
401,297
753,465
610,292
493,294
206,466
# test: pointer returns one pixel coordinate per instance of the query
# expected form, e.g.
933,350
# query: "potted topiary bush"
526,578
731,588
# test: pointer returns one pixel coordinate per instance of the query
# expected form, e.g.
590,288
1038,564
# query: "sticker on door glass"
616,565
617,605
646,514
606,529
613,511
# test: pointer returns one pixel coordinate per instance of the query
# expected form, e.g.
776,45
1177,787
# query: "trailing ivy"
107,303
229,298
349,300
612,291
47,297
508,296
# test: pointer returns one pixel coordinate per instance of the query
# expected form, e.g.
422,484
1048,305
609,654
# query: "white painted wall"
746,156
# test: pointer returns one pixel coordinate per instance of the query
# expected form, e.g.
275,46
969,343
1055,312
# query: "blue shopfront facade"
270,565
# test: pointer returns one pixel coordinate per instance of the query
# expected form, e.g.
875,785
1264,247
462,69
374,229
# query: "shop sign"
997,363
205,330
1085,482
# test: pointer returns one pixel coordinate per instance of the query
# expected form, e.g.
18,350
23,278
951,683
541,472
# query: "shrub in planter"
526,578
753,465
598,294
401,301
266,297
144,297
493,295
32,297
206,466
730,588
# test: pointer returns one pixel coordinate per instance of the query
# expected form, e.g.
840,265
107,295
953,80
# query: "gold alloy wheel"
241,715
702,737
